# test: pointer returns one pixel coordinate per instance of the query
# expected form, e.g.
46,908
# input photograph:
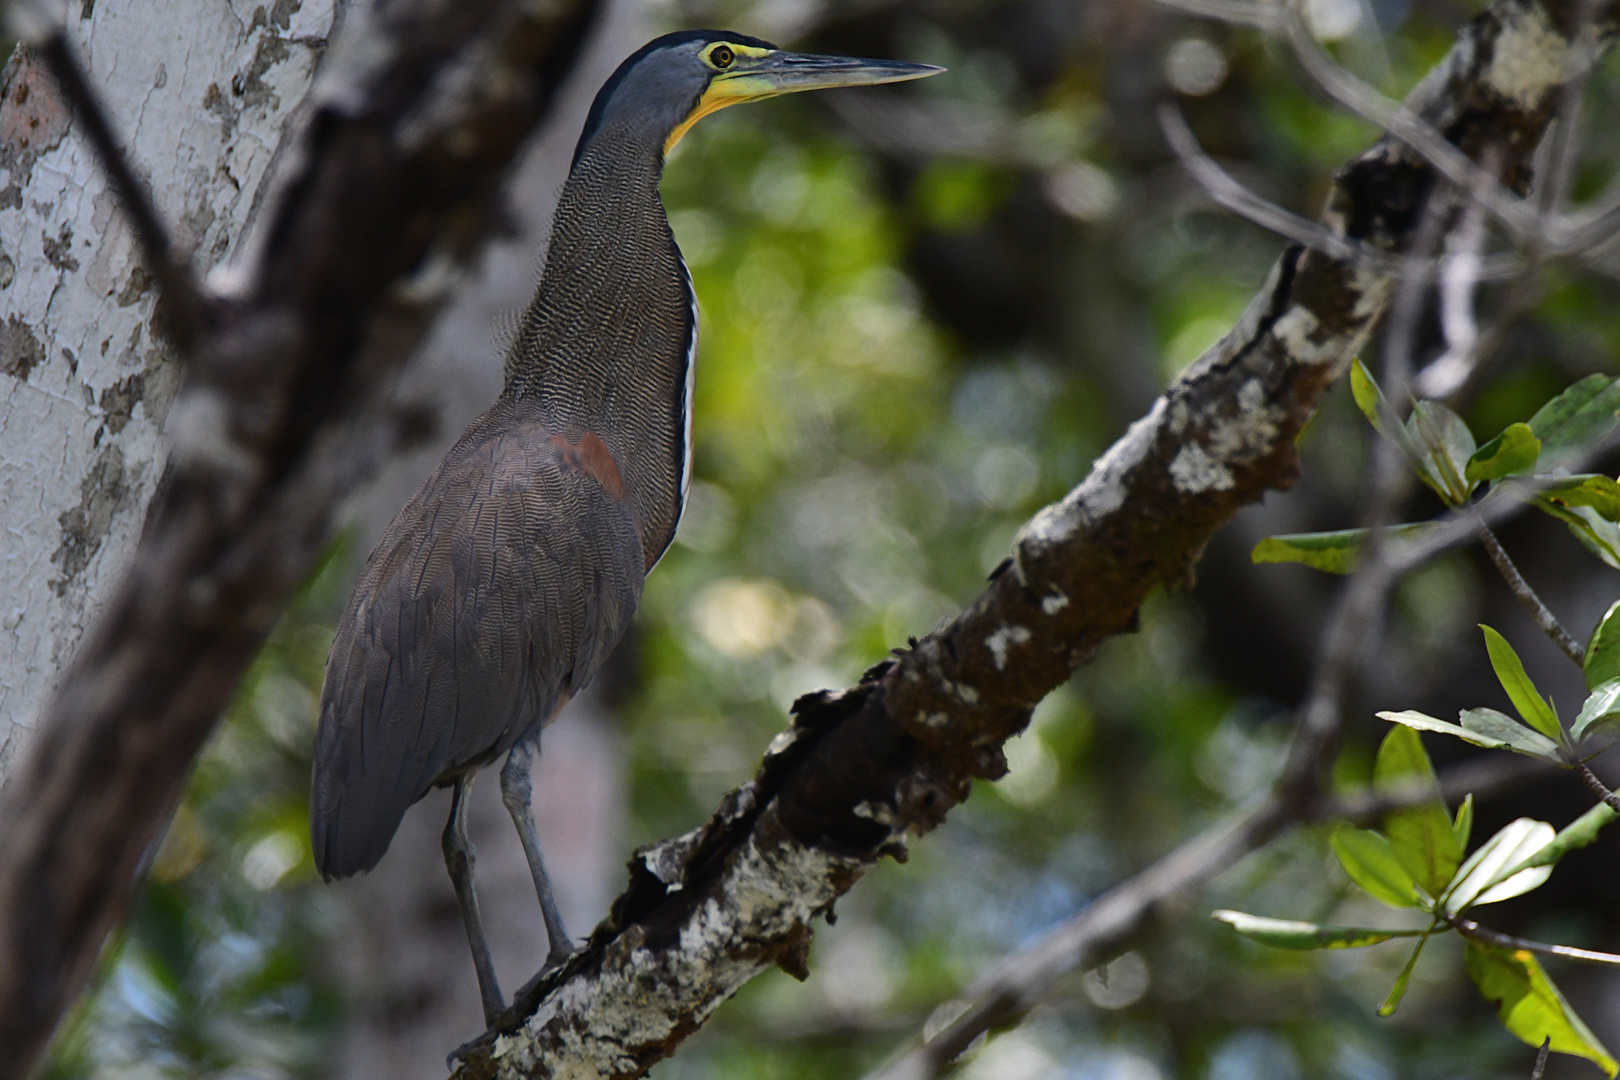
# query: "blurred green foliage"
904,353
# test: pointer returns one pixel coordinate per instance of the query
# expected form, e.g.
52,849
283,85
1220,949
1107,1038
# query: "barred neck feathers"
607,343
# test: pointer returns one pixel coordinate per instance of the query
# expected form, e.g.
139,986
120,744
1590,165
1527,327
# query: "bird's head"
674,81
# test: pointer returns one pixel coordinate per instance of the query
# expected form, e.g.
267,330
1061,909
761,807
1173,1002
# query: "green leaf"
1493,873
1512,452
1482,727
1602,661
1491,724
1287,934
1601,537
1398,991
1369,397
1603,704
1578,417
1520,690
1385,420
1559,408
1530,1005
1447,445
1371,863
1334,552
1599,492
1463,826
1421,835
1577,834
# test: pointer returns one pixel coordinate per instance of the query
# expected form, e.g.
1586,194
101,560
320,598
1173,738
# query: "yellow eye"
721,56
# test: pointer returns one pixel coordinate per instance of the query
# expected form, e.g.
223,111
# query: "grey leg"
517,791
458,859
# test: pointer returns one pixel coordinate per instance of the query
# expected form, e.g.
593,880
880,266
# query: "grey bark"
201,91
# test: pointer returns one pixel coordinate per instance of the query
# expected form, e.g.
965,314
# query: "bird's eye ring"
721,57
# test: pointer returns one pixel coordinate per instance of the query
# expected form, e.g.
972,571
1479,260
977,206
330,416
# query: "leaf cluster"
1539,732
1441,452
1418,862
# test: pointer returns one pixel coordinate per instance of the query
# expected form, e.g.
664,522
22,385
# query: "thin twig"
1597,787
183,298
1583,234
1511,306
1227,192
1468,928
1484,777
1263,15
1507,499
1566,144
1541,1059
1459,277
1403,123
1594,226
1527,596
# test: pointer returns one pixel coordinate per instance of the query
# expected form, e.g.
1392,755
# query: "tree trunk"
201,93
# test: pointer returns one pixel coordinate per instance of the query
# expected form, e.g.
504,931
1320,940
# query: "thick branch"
411,128
863,767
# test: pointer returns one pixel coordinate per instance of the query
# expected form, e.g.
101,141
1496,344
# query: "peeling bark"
393,188
85,379
862,769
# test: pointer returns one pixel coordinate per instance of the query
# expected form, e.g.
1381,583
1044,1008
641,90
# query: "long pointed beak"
787,73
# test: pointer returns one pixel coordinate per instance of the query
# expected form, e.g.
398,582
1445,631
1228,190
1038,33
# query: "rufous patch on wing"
592,457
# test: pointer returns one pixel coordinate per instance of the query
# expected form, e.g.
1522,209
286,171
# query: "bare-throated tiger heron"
503,584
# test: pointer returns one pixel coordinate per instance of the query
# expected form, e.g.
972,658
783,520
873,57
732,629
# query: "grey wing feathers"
493,597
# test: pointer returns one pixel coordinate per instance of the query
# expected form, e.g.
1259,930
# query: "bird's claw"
556,959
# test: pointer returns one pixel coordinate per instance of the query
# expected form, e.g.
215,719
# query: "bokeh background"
925,310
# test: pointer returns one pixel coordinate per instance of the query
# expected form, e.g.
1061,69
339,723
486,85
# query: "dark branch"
1527,596
1468,928
1017,983
1596,786
1228,193
183,299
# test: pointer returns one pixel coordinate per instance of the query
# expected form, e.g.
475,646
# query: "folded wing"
492,598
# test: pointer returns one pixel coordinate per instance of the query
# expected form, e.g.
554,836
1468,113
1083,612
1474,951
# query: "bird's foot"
557,958
528,995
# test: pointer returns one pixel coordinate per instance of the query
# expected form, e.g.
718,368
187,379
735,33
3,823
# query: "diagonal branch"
421,109
1227,192
1421,133
1528,597
1017,983
170,266
862,768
